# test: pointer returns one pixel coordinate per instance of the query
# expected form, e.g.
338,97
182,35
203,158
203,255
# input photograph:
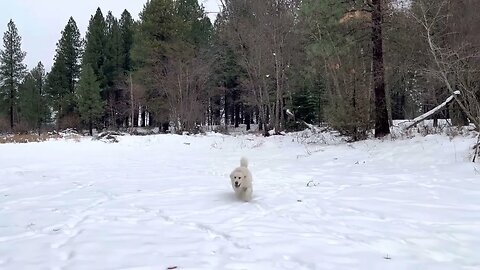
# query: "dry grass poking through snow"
29,138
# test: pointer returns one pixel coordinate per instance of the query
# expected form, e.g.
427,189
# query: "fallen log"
433,111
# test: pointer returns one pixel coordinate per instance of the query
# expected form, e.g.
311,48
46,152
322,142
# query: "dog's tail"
244,162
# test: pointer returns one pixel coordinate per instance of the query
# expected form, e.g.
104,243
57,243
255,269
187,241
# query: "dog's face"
238,178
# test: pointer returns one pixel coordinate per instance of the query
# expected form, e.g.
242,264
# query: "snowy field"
165,201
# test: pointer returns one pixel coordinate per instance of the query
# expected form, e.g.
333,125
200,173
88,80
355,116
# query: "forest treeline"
355,65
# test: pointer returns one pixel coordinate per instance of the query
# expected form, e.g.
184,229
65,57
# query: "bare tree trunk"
278,91
247,117
232,112
135,119
132,106
457,116
382,127
143,116
209,113
237,114
151,120
389,106
266,119
90,127
225,108
11,107
259,119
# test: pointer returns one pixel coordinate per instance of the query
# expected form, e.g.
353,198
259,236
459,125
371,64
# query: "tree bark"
90,127
382,127
237,115
225,108
278,94
135,118
247,117
132,105
151,120
143,115
11,107
457,116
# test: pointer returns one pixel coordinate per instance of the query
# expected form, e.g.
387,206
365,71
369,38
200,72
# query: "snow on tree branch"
433,111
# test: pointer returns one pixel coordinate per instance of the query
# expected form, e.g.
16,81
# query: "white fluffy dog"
241,179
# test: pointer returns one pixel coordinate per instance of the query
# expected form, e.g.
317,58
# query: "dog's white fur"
241,179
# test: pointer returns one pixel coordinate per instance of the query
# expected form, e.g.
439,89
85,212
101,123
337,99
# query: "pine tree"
382,127
57,89
32,100
90,104
95,46
153,39
113,54
168,41
62,79
158,27
307,99
337,52
196,26
12,70
227,74
70,46
113,72
126,31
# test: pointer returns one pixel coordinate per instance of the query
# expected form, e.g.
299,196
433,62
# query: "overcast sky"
40,22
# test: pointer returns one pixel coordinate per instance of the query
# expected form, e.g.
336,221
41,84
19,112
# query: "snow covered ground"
163,201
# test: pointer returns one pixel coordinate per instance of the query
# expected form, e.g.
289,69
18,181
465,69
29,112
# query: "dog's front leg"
247,194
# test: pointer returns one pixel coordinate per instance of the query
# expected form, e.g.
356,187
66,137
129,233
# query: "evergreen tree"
337,52
65,71
57,90
126,32
95,46
195,25
70,47
113,54
90,104
227,77
167,47
113,72
12,70
153,40
158,26
32,100
382,126
307,100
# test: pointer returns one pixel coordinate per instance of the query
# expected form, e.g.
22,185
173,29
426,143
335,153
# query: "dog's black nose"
236,183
